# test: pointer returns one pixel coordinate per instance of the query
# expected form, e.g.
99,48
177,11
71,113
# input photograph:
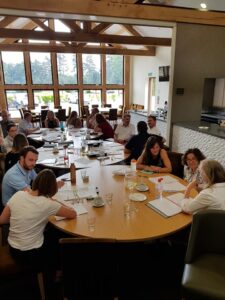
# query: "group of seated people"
28,206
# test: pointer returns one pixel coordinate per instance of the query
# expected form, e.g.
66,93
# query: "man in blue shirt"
20,176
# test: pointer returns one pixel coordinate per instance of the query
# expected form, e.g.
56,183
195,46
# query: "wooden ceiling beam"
83,37
101,27
72,25
6,21
72,49
122,9
133,31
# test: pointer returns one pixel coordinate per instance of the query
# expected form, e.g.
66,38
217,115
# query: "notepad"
78,207
164,207
48,161
166,179
176,198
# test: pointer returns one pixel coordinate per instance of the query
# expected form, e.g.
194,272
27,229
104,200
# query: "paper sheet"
164,207
166,179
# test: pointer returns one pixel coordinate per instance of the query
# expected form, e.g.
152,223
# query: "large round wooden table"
144,223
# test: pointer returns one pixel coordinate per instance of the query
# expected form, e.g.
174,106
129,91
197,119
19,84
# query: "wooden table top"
144,223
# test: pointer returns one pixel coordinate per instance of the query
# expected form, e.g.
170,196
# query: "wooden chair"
85,111
86,274
204,272
95,106
113,115
61,115
107,105
11,271
43,117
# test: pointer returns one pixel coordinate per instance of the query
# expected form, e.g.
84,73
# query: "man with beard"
21,175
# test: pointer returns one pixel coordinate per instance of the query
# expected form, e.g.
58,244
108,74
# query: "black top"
11,159
154,161
52,123
4,125
136,145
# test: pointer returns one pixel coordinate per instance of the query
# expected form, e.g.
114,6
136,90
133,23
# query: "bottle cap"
133,160
160,179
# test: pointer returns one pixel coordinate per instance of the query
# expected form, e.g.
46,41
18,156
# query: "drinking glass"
130,181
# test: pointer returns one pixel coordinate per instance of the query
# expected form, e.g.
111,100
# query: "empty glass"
130,180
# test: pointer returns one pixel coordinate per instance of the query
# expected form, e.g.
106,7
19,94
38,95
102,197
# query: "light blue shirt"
16,179
24,125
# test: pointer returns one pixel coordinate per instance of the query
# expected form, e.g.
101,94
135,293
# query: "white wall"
140,67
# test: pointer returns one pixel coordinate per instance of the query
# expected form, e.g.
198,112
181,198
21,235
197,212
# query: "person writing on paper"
154,158
27,212
212,196
191,161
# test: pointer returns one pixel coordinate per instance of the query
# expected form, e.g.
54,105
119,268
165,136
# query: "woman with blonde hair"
212,196
74,120
51,121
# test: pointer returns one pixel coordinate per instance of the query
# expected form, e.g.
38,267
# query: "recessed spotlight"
203,5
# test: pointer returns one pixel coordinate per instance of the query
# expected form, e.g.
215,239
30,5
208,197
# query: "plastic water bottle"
62,126
133,165
159,188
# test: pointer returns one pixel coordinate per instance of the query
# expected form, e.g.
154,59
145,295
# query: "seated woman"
104,127
212,196
191,161
19,142
28,212
154,157
74,120
51,121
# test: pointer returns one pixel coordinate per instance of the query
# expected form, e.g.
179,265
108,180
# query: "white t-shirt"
154,130
29,216
125,132
211,198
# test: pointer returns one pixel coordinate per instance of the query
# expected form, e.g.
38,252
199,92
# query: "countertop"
145,114
204,127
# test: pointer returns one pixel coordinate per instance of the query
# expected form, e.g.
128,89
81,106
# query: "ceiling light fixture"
203,5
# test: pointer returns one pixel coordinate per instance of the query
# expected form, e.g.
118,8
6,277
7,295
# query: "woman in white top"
212,196
27,212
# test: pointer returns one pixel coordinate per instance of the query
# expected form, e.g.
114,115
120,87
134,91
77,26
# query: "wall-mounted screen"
164,73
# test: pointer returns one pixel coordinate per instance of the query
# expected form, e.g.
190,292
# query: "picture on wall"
164,73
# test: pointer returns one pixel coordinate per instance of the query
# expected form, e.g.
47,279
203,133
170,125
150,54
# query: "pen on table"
65,179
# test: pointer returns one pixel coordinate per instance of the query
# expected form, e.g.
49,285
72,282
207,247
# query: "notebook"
164,207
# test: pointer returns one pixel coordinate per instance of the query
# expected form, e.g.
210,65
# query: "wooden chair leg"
41,285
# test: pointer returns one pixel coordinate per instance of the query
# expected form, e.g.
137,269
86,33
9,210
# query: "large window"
67,68
92,97
114,69
13,66
43,98
69,98
41,68
15,101
91,68
114,97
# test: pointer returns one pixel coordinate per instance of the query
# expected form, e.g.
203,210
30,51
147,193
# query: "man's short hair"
27,149
153,117
10,125
27,114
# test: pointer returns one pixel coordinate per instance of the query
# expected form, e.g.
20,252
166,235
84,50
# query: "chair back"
85,111
207,234
94,105
112,114
21,113
176,162
61,115
86,274
108,105
43,114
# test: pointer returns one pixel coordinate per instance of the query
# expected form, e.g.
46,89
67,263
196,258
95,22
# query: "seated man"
152,128
136,144
26,127
5,122
124,131
8,140
20,176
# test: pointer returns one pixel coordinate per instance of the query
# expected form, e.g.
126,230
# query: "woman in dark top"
154,157
19,142
104,127
51,121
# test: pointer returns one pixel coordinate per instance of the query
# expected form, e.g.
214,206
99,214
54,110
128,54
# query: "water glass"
85,176
130,180
109,197
127,209
91,223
